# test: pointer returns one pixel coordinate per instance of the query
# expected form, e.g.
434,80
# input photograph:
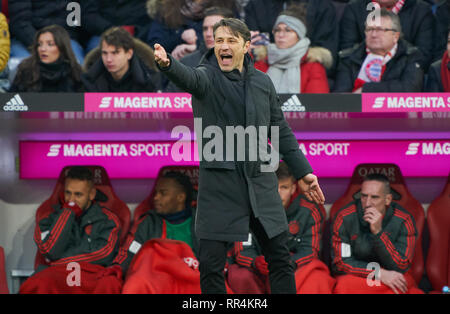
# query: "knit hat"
294,23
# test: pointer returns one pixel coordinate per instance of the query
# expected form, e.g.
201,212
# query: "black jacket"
321,20
62,238
141,77
99,15
354,245
55,77
403,72
28,16
434,80
149,226
416,19
442,24
229,190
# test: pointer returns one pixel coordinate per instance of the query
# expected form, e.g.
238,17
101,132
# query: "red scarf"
445,72
396,8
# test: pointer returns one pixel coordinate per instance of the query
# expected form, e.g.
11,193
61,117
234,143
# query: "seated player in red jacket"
373,242
249,273
78,238
159,253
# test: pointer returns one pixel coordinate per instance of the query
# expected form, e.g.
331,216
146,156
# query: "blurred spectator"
5,43
439,73
384,63
321,22
416,18
100,15
442,23
292,65
120,64
212,16
177,25
52,66
28,16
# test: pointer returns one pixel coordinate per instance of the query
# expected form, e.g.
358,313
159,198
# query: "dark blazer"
229,190
403,72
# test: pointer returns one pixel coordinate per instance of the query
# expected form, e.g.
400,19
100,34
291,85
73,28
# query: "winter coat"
230,190
354,245
62,238
312,67
402,74
54,77
99,15
321,20
416,19
141,77
28,16
162,34
442,28
434,80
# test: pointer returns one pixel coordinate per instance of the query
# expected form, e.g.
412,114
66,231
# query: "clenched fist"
161,56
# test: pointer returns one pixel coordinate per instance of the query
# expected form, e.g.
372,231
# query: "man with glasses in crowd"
384,62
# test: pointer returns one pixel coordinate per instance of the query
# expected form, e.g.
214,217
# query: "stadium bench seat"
438,259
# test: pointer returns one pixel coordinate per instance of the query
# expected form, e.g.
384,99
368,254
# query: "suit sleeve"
288,145
147,228
100,247
53,234
191,80
308,247
343,261
396,254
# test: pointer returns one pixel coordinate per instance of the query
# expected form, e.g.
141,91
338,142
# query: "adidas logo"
293,104
15,104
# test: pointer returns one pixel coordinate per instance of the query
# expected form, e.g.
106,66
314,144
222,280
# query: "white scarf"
284,66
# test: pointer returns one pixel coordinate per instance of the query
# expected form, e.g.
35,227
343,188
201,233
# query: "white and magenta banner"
137,102
141,159
406,102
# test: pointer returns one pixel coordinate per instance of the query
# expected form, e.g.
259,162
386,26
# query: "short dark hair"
379,178
184,182
118,37
80,173
221,11
283,172
236,26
